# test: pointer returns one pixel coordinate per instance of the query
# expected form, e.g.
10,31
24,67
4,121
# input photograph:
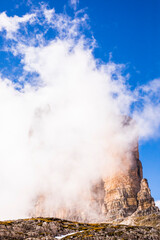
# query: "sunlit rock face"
146,204
128,195
144,196
121,190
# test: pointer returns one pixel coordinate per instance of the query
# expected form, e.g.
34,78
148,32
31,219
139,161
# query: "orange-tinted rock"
121,192
146,204
144,198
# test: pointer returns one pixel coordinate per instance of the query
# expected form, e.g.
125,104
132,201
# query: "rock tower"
127,193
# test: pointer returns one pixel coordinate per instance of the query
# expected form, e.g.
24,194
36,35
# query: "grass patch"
6,222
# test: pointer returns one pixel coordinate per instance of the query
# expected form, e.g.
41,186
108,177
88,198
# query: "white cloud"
48,13
158,203
74,3
12,24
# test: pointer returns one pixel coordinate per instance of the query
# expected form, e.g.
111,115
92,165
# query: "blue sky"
130,30
126,32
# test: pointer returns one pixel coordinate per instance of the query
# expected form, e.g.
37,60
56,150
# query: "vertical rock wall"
121,192
128,193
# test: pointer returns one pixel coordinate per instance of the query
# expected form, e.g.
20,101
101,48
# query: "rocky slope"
51,228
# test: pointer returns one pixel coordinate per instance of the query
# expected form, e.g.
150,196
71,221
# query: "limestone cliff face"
146,204
128,193
144,198
121,190
121,195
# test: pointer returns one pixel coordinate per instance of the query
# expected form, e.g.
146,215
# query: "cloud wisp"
12,24
74,3
62,119
158,203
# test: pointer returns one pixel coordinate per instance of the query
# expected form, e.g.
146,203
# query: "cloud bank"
62,118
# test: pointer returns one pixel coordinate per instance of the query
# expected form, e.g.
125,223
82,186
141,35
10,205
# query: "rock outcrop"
121,193
128,193
146,204
52,228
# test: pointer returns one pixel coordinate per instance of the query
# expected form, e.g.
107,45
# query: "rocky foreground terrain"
53,228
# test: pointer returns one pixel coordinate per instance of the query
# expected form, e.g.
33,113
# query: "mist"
61,124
